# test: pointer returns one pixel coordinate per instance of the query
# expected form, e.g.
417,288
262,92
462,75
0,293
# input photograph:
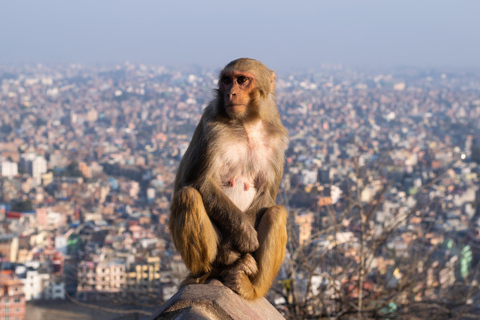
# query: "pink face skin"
236,87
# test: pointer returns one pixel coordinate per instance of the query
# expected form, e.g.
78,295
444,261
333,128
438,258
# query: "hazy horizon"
372,33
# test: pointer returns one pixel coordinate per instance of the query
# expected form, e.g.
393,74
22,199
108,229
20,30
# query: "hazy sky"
282,34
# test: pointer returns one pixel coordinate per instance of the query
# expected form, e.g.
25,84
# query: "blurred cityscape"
381,182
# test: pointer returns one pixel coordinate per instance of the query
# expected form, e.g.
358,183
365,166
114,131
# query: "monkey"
223,218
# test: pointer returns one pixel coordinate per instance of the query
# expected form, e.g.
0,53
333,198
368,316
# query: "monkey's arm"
220,208
262,201
226,215
196,170
266,197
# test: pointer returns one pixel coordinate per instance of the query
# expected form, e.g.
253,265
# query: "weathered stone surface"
214,301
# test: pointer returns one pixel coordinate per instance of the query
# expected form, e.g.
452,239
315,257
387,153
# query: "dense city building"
12,298
387,162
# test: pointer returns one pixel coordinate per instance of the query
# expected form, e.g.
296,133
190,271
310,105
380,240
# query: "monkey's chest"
242,170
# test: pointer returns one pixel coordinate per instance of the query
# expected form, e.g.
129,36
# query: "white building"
100,280
39,167
61,243
35,165
8,169
32,285
309,176
42,286
54,290
37,285
335,193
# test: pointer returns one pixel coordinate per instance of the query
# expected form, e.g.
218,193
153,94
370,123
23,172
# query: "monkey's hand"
247,241
226,253
245,264
248,265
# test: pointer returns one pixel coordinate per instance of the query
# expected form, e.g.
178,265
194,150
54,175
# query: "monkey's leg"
272,236
193,233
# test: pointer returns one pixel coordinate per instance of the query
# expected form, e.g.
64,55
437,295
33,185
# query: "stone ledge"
213,301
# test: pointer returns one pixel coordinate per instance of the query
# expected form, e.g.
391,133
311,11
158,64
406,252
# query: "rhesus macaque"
224,221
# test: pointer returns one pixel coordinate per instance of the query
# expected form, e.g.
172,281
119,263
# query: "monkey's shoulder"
237,143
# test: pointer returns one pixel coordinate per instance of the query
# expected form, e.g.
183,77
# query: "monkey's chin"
236,110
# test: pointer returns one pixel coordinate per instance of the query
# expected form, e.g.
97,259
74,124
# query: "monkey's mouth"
236,109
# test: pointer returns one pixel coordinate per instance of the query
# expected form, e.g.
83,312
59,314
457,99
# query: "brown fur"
224,221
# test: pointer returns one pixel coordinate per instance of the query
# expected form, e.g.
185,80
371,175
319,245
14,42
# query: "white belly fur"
244,159
239,196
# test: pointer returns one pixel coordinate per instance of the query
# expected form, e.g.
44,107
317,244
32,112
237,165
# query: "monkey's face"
236,88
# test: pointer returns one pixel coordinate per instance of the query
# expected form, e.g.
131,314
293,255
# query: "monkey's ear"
273,77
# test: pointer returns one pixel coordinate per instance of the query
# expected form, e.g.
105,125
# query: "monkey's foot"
195,280
246,264
240,283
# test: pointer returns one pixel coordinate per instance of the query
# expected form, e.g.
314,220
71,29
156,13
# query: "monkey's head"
244,85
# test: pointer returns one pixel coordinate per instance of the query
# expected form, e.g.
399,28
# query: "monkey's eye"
242,79
226,80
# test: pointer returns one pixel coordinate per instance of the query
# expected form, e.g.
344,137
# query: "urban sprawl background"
381,182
